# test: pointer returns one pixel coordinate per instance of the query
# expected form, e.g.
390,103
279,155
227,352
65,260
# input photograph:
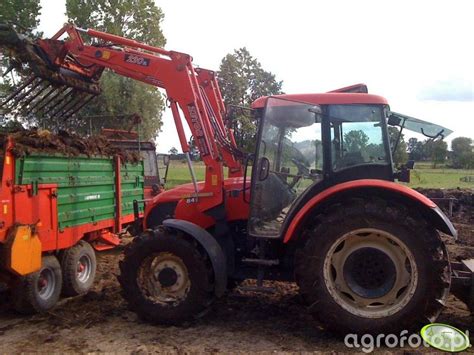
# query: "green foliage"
439,152
463,153
23,15
415,149
424,175
242,80
135,19
400,156
355,140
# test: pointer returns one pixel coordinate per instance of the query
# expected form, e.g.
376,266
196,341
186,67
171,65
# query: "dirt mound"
27,142
462,209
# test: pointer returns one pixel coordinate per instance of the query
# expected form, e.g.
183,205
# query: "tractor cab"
307,143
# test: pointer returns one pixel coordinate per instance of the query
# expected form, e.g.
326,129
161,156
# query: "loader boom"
193,91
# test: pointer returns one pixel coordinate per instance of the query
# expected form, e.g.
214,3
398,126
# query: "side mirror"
264,169
166,160
394,120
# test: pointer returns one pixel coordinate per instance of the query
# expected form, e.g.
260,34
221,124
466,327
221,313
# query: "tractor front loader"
319,206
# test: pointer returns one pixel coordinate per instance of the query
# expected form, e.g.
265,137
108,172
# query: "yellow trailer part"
23,251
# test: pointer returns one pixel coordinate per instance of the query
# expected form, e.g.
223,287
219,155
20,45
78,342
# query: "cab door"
289,159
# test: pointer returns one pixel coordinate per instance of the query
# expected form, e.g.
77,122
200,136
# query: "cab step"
260,289
261,262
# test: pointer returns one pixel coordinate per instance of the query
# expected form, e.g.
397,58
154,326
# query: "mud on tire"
79,267
39,291
166,277
370,266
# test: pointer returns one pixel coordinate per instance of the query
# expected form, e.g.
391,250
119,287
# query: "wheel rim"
84,268
370,273
164,278
46,283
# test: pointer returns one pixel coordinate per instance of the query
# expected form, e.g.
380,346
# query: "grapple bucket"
46,89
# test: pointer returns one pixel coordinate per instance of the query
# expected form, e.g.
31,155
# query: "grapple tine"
52,106
76,103
25,103
25,94
18,90
44,97
82,104
51,99
63,102
70,104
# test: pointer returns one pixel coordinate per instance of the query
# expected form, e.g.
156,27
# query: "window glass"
291,142
356,135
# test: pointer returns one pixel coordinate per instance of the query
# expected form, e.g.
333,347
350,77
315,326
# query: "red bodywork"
352,185
195,93
20,206
331,98
192,91
187,208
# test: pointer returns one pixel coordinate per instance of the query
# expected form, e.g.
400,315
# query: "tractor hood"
428,129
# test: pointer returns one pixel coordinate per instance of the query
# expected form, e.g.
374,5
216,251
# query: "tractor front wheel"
369,267
166,277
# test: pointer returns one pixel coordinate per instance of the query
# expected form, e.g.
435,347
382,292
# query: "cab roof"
325,99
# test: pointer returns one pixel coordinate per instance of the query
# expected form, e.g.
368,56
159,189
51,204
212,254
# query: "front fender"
381,188
210,245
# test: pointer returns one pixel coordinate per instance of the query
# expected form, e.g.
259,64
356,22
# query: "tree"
400,155
415,149
355,140
23,15
463,153
242,80
135,19
173,151
439,152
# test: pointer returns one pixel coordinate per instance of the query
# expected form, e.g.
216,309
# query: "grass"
424,175
179,174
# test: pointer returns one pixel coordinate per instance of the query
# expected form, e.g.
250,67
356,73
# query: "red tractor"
319,207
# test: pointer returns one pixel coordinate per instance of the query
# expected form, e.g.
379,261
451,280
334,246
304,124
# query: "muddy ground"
240,322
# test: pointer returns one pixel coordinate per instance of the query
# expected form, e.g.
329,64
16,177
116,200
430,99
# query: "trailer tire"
166,277
373,267
39,291
79,266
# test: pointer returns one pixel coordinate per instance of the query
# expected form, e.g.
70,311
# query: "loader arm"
193,91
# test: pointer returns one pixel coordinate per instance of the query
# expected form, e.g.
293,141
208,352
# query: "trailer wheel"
40,291
166,278
369,267
79,267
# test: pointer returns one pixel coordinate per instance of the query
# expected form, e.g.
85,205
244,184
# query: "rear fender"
369,187
210,245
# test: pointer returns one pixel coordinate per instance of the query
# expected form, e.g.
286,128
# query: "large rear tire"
373,267
40,291
166,278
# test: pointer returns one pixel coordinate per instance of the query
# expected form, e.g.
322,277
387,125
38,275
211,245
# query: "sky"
419,55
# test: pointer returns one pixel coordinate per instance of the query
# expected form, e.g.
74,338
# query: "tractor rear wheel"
39,291
373,267
166,278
